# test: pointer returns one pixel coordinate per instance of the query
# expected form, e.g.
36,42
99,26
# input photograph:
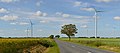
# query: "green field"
26,45
106,44
46,45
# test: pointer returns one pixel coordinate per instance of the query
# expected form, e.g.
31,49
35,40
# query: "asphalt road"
66,47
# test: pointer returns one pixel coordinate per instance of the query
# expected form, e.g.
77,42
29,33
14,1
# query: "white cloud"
87,9
44,14
43,21
2,10
62,14
61,19
77,3
13,23
39,30
66,15
65,20
117,18
85,17
39,13
19,23
84,26
23,23
9,18
81,4
103,0
58,13
8,1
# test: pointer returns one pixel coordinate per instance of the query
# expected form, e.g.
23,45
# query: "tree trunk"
69,38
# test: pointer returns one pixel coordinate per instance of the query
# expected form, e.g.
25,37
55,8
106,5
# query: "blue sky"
49,15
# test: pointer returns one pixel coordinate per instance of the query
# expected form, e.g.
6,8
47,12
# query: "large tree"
69,30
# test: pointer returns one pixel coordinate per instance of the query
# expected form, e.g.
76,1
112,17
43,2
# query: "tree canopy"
69,30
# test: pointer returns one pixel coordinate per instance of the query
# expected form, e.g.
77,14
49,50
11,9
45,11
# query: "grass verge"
106,44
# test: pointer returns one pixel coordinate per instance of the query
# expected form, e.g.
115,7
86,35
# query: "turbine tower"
27,32
96,12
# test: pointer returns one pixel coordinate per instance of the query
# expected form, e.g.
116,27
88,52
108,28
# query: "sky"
48,16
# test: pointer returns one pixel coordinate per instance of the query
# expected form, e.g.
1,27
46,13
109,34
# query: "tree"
51,36
69,30
57,36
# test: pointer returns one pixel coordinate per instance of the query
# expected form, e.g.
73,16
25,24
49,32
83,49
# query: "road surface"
66,47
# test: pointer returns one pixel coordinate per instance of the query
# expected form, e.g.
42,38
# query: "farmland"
106,44
27,45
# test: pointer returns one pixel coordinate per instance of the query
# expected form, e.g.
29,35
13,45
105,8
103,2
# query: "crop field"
26,45
106,44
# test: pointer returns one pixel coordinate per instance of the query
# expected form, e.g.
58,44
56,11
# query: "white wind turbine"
95,15
31,26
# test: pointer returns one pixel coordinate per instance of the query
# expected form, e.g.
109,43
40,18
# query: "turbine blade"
30,22
100,11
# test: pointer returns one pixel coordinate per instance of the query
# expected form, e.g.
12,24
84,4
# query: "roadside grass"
17,45
106,44
54,49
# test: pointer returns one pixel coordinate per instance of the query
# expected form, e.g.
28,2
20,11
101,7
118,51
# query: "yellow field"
21,45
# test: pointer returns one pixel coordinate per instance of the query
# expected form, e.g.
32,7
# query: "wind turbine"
27,31
96,12
31,25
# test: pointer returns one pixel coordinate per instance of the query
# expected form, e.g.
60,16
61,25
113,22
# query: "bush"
57,36
51,36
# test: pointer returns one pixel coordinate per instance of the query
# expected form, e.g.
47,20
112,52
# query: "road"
66,47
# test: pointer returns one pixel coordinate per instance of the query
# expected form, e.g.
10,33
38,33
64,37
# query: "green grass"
16,45
53,49
107,44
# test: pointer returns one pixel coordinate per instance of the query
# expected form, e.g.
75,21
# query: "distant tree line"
52,36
